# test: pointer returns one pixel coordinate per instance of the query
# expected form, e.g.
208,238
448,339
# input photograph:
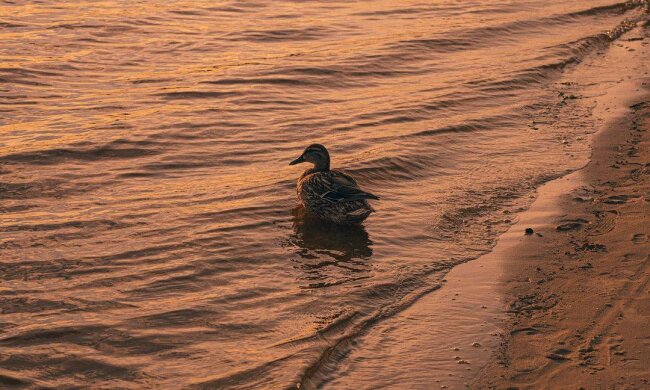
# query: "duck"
330,194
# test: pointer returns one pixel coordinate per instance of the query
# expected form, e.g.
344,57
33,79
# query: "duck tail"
371,196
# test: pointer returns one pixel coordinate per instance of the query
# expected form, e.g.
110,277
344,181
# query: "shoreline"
460,334
577,290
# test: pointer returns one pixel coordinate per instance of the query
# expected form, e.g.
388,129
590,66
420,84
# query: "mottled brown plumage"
330,194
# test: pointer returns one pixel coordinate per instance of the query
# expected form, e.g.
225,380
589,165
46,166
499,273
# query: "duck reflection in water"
330,254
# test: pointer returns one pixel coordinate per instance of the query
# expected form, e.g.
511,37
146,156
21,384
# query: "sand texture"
579,288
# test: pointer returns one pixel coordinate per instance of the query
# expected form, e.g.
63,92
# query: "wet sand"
578,289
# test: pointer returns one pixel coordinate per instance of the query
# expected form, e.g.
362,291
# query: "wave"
182,95
110,150
290,34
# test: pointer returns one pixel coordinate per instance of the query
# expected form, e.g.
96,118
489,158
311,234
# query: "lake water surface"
149,235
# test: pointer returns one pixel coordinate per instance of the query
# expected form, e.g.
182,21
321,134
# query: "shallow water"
149,233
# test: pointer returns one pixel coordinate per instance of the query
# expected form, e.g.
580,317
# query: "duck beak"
299,160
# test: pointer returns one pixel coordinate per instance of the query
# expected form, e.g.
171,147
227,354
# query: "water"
149,233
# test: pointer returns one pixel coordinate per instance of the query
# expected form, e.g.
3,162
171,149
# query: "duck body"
334,196
331,194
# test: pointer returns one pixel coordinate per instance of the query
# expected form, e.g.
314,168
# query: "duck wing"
344,188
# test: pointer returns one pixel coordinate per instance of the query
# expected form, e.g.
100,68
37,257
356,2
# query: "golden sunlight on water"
150,237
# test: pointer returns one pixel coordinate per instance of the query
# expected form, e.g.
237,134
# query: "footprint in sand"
644,170
528,331
618,199
605,222
571,224
559,354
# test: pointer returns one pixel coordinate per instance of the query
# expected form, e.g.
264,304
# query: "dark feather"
347,194
334,196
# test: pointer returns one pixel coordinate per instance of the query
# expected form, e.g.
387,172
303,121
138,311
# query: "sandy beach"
578,288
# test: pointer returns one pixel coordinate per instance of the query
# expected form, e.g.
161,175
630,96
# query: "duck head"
315,154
